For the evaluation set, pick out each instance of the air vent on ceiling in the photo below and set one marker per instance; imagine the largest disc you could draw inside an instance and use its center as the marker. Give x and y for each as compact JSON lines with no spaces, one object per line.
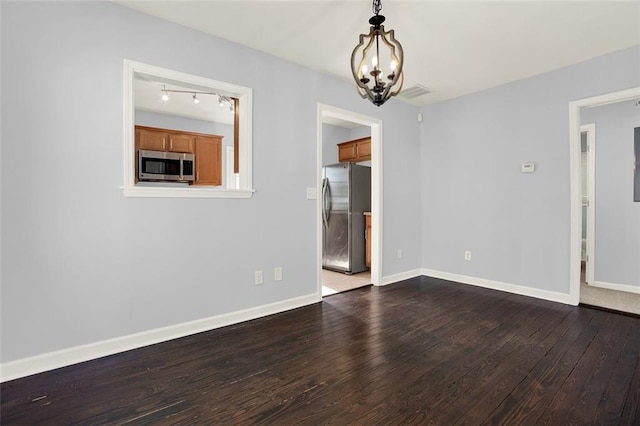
{"x":414,"y":91}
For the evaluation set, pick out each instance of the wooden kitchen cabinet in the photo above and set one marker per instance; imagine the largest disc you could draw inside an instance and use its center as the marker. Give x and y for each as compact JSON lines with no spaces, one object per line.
{"x":367,"y":235}
{"x":181,"y":142}
{"x":208,"y":156}
{"x":355,"y":151}
{"x":153,"y":139}
{"x":156,"y":139}
{"x":347,"y":152}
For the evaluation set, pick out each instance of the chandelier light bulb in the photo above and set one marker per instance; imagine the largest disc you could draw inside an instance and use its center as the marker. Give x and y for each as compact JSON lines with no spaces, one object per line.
{"x":393,"y":70}
{"x":374,"y":62}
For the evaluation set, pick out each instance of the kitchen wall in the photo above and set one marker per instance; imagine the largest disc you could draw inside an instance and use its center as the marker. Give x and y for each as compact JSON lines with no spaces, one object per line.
{"x":81,"y":263}
{"x":617,"y":217}
{"x":166,"y":121}
{"x":331,"y":136}
{"x":515,"y":224}
{"x":359,"y":132}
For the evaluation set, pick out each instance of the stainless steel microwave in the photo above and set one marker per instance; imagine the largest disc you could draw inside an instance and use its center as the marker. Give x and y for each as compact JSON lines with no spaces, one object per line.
{"x":165,"y":166}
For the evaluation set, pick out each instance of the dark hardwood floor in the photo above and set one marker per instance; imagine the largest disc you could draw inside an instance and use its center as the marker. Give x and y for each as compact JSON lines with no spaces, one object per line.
{"x":424,"y":351}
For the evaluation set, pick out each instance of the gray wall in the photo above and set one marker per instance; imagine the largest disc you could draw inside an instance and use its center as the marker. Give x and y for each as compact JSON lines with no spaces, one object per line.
{"x":82,"y":263}
{"x":359,"y":132}
{"x":617,"y":217}
{"x":331,"y":136}
{"x":474,"y":196}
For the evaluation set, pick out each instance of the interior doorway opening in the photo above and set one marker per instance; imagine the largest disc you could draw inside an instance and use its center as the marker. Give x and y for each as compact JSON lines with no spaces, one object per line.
{"x":612,"y":293}
{"x":349,"y":194}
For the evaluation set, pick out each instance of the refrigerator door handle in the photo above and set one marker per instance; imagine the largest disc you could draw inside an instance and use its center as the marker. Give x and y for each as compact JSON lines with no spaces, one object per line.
{"x":328,"y":204}
{"x":325,"y":184}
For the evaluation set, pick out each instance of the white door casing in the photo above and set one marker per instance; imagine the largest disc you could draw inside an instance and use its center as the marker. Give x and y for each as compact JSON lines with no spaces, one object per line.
{"x":575,"y":180}
{"x":327,"y":111}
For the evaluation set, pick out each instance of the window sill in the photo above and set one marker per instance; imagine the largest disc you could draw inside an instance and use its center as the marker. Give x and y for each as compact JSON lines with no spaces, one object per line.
{"x":190,"y":192}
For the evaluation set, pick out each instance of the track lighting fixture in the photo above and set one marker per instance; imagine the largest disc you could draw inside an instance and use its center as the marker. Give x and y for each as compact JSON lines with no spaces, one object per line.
{"x":222,"y":99}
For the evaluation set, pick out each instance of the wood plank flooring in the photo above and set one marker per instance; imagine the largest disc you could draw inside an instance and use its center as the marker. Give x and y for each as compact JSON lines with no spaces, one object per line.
{"x":424,"y":351}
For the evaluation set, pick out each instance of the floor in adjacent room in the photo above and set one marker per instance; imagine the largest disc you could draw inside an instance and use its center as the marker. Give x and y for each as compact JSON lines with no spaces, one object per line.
{"x":611,"y":299}
{"x":338,"y":282}
{"x":422,"y":351}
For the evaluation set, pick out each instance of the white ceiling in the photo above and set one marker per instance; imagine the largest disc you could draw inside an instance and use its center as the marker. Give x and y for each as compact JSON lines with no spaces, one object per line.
{"x":148,"y":97}
{"x":451,"y":47}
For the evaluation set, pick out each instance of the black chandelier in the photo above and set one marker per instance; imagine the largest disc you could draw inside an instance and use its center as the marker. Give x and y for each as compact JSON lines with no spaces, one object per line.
{"x":375,"y":51}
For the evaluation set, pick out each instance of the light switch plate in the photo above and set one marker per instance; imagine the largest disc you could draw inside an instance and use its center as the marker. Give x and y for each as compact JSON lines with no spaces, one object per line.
{"x":528,"y":167}
{"x":312,"y":193}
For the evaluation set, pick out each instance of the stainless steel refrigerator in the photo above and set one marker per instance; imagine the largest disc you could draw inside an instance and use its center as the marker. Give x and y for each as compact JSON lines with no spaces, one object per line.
{"x":346,"y":195}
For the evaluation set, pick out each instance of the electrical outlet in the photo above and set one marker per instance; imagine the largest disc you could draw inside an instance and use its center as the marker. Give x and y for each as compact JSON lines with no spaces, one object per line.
{"x":399,"y":254}
{"x":467,"y":255}
{"x":277,"y":274}
{"x":258,"y":277}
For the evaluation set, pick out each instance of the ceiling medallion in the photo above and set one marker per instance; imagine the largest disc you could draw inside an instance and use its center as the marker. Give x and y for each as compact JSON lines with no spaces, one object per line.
{"x":377,"y":50}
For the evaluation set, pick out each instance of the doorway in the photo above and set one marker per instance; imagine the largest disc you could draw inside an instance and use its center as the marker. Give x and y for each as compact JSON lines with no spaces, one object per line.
{"x":605,"y":292}
{"x":358,"y":126}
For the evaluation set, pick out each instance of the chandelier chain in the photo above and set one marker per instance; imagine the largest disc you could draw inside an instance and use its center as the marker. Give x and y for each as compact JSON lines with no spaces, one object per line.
{"x":377,"y":6}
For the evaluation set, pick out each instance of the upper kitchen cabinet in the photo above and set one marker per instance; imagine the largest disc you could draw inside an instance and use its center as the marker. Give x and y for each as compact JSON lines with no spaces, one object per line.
{"x":153,"y":139}
{"x":355,"y":151}
{"x":181,"y":143}
{"x":157,"y":139}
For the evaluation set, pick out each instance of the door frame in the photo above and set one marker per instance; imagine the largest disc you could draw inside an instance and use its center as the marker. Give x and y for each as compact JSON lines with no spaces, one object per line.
{"x":575,"y":180}
{"x":328,"y":111}
{"x":590,"y":130}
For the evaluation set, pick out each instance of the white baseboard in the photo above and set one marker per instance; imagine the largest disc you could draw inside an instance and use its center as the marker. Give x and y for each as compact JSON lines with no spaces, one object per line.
{"x":497,"y":285}
{"x":390,"y":279}
{"x":52,"y":360}
{"x":618,"y":287}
